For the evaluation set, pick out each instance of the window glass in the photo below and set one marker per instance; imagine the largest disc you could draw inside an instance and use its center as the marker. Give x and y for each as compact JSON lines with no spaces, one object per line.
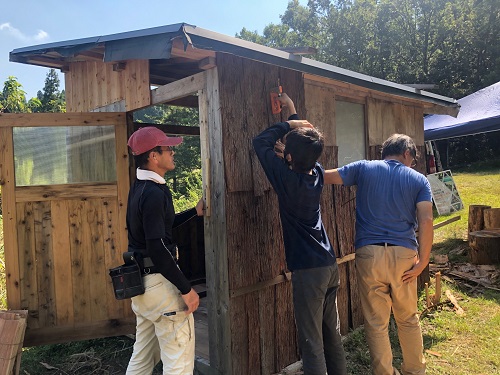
{"x":64,"y":155}
{"x":350,"y":131}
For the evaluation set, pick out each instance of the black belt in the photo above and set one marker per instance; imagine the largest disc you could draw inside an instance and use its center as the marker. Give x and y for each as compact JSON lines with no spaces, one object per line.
{"x":384,"y":244}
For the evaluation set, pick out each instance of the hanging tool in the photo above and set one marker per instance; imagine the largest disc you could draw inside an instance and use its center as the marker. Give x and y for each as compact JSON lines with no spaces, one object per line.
{"x":275,"y":94}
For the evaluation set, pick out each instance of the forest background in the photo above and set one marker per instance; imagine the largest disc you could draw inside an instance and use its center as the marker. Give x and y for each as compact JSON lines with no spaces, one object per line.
{"x":452,"y":44}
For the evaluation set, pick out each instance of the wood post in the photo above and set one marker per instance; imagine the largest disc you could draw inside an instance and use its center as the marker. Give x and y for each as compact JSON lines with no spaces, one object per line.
{"x":12,"y":329}
{"x":491,"y":218}
{"x":476,"y":217}
{"x":485,"y":246}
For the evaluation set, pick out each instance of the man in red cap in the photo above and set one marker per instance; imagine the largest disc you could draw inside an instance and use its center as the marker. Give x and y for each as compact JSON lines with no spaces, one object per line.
{"x":165,"y":324}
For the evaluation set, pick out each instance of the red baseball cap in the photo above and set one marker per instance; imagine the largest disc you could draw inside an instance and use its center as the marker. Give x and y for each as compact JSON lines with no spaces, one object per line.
{"x":147,"y":138}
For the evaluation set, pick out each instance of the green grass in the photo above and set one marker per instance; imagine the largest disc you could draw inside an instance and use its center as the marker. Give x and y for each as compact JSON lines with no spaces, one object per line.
{"x":466,"y":344}
{"x":481,"y":187}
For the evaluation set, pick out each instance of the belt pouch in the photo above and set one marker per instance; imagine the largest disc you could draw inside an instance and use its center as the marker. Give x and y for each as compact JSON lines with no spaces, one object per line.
{"x":127,"y":278}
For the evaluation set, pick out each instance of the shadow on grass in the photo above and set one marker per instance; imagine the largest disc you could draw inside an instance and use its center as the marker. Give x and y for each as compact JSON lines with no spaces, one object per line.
{"x":456,"y":249}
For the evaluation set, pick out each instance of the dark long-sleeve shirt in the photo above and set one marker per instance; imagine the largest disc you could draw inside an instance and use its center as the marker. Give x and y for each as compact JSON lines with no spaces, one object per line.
{"x":150,"y":219}
{"x":306,"y":242}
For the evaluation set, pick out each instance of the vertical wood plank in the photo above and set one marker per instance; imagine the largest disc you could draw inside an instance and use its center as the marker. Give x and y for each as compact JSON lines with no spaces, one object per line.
{"x":418,"y":125}
{"x":45,"y":263}
{"x":374,"y":122}
{"x":285,"y":330}
{"x":28,"y":282}
{"x":97,"y":271}
{"x":91,"y":67}
{"x":123,"y":182}
{"x":215,"y":232}
{"x":9,"y":214}
{"x":137,"y":91}
{"x":320,"y":106}
{"x":268,"y":340}
{"x":240,"y":341}
{"x":356,"y":314}
{"x":63,"y":282}
{"x":112,"y":255}
{"x":79,"y":259}
{"x":245,"y":118}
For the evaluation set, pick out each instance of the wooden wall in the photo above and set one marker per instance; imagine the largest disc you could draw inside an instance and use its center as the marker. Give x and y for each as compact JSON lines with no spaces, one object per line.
{"x":93,"y":84}
{"x":263,"y":337}
{"x":60,"y":241}
{"x":261,"y":320}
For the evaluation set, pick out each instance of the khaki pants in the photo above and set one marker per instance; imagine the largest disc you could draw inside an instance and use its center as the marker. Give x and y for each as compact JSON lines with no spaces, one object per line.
{"x":379,"y":270}
{"x":169,"y":338}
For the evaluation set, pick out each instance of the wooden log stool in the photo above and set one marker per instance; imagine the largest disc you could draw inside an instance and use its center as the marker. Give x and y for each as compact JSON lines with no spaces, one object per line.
{"x":485,"y":246}
{"x":476,"y":217}
{"x":491,"y":218}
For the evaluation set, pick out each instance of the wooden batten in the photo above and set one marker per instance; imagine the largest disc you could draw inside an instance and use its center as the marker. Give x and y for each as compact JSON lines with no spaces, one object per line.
{"x":178,"y":89}
{"x":216,"y":246}
{"x":93,"y":84}
{"x":11,"y":246}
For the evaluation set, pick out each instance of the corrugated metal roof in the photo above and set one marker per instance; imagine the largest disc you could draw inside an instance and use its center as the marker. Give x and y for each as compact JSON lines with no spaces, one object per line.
{"x":156,"y":43}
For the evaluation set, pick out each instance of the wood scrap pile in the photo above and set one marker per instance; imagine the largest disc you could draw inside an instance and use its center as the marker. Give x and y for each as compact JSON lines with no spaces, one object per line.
{"x":12,"y":329}
{"x":468,"y":274}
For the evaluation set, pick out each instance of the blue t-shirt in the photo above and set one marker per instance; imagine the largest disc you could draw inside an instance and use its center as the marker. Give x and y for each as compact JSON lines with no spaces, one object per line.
{"x":386,"y":198}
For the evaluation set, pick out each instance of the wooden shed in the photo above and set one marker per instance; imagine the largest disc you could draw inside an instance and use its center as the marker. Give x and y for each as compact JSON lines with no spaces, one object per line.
{"x":64,"y":229}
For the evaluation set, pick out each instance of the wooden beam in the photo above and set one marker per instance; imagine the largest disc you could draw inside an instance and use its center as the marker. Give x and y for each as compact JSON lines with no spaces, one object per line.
{"x":207,"y":63}
{"x":65,"y":191}
{"x":178,"y":89}
{"x":59,"y":119}
{"x":171,"y":129}
{"x":286,"y":276}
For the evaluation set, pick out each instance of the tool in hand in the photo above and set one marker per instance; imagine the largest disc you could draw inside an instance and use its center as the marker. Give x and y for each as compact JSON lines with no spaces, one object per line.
{"x":275,"y":94}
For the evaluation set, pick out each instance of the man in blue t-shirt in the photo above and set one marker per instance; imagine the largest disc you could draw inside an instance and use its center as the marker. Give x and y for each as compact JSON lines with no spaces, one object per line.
{"x":392,"y":199}
{"x":298,"y":181}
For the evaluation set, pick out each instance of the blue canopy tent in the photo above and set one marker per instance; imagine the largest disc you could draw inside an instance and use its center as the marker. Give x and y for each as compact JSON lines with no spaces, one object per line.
{"x":479,"y":113}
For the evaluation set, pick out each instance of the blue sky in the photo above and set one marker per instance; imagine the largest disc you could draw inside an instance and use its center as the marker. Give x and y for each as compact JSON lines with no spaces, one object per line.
{"x":31,"y":22}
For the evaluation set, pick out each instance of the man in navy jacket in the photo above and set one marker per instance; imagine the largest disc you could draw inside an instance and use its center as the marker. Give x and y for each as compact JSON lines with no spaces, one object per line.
{"x":298,"y":181}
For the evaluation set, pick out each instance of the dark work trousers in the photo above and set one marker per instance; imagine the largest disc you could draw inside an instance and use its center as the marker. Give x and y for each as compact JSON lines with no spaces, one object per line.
{"x":317,"y":319}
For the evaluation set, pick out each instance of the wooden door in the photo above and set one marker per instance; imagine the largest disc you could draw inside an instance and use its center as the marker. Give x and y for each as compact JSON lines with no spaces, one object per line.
{"x":64,"y":180}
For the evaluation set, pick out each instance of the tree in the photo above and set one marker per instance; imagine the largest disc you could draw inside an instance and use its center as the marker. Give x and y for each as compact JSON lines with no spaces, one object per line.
{"x":13,"y":97}
{"x":452,"y":43}
{"x":50,"y":98}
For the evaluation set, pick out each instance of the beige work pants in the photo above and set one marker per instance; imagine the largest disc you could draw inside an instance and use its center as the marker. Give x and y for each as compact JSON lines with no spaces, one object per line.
{"x":379,"y":270}
{"x":169,"y":338}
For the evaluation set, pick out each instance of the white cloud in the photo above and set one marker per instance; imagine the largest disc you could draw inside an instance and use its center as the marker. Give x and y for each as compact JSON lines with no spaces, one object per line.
{"x":18,"y":34}
{"x":41,"y":35}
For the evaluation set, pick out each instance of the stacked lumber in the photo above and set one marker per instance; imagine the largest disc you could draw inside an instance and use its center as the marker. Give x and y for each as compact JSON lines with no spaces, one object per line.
{"x":484,"y":234}
{"x":12,"y":329}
